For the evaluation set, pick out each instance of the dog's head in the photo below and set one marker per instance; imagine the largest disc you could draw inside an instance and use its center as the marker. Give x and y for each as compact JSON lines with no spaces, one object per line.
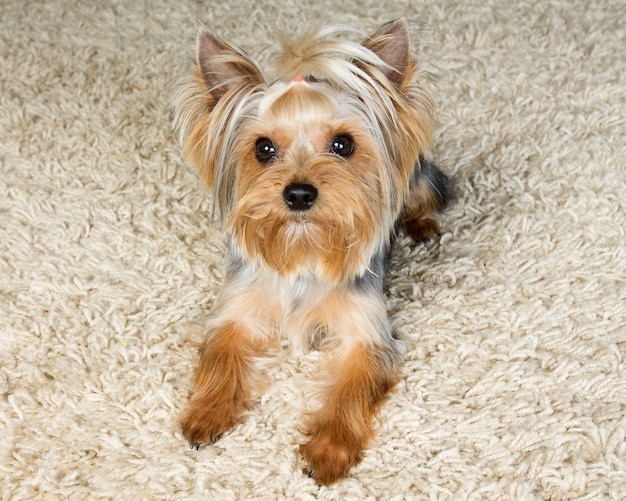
{"x":310,"y":171}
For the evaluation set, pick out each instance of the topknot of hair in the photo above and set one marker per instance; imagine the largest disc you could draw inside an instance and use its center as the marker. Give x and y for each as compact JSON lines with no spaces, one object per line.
{"x":326,"y":54}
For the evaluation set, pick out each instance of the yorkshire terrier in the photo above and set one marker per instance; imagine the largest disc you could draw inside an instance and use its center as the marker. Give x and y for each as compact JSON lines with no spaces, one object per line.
{"x":312,"y":175}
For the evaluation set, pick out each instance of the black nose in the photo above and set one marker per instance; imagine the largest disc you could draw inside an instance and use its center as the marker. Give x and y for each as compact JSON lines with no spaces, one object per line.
{"x":299,"y":196}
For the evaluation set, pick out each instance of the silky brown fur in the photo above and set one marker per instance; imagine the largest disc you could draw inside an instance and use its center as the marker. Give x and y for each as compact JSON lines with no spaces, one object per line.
{"x":309,"y":216}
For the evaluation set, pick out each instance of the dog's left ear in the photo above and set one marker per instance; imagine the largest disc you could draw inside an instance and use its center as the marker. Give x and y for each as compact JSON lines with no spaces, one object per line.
{"x":391,"y":44}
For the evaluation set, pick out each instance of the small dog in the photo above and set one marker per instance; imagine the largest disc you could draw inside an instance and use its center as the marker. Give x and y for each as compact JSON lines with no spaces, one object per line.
{"x":312,"y":175}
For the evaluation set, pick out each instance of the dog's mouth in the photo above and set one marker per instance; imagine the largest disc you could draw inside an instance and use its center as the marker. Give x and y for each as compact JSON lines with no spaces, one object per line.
{"x":301,"y":218}
{"x":300,"y":228}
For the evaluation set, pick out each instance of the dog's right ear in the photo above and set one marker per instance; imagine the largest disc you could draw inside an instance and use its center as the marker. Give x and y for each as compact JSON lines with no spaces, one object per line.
{"x":224,"y":66}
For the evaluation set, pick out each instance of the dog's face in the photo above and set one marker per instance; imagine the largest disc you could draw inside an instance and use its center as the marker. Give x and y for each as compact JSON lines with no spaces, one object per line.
{"x":310,"y":172}
{"x":311,"y":188}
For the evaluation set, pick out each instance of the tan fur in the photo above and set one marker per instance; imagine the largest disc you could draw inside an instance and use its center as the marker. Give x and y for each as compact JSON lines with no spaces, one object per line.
{"x":222,"y":384}
{"x":419,"y":214}
{"x":305,"y":273}
{"x":330,"y":236}
{"x":341,"y":429}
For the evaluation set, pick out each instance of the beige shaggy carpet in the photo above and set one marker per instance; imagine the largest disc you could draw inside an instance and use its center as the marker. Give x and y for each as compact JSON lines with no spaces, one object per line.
{"x":514,"y":385}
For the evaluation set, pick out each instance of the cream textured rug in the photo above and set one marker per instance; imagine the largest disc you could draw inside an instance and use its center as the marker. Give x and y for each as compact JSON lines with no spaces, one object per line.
{"x":514,"y":386}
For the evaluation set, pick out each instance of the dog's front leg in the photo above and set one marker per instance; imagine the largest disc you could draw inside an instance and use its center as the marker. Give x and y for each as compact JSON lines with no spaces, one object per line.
{"x":363,"y":368}
{"x":223,"y":382}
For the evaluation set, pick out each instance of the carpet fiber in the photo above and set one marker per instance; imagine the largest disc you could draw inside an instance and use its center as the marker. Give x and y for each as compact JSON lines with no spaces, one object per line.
{"x":514,"y":385}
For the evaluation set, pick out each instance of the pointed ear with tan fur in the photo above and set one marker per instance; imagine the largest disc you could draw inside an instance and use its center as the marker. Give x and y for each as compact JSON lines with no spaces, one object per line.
{"x":224,"y":66}
{"x":391,"y":43}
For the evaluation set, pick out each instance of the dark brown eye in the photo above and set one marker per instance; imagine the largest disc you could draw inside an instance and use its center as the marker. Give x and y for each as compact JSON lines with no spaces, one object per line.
{"x":342,"y":145}
{"x":264,"y":150}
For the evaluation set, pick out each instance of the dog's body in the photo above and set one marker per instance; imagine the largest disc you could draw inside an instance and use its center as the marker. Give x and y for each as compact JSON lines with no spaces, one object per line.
{"x":312,"y":175}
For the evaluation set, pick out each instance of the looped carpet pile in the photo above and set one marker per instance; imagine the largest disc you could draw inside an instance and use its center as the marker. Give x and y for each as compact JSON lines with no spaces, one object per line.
{"x":514,"y":319}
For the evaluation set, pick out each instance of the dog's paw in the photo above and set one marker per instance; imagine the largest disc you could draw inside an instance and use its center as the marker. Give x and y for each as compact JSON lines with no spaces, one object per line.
{"x":196,"y":445}
{"x":329,"y":457}
{"x":205,"y":425}
{"x":421,"y":228}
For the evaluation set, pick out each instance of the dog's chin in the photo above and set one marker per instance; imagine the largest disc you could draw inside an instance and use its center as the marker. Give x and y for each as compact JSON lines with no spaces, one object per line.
{"x":302,"y":236}
{"x":298,"y":245}
{"x":300,"y":227}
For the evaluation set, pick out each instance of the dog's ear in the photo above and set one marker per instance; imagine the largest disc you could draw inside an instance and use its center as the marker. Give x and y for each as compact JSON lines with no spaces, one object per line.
{"x":391,"y":44}
{"x":224,"y":66}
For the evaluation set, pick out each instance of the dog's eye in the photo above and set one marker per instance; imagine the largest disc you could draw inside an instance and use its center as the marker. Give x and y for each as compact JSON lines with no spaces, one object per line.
{"x":342,"y":145}
{"x":264,"y":150}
